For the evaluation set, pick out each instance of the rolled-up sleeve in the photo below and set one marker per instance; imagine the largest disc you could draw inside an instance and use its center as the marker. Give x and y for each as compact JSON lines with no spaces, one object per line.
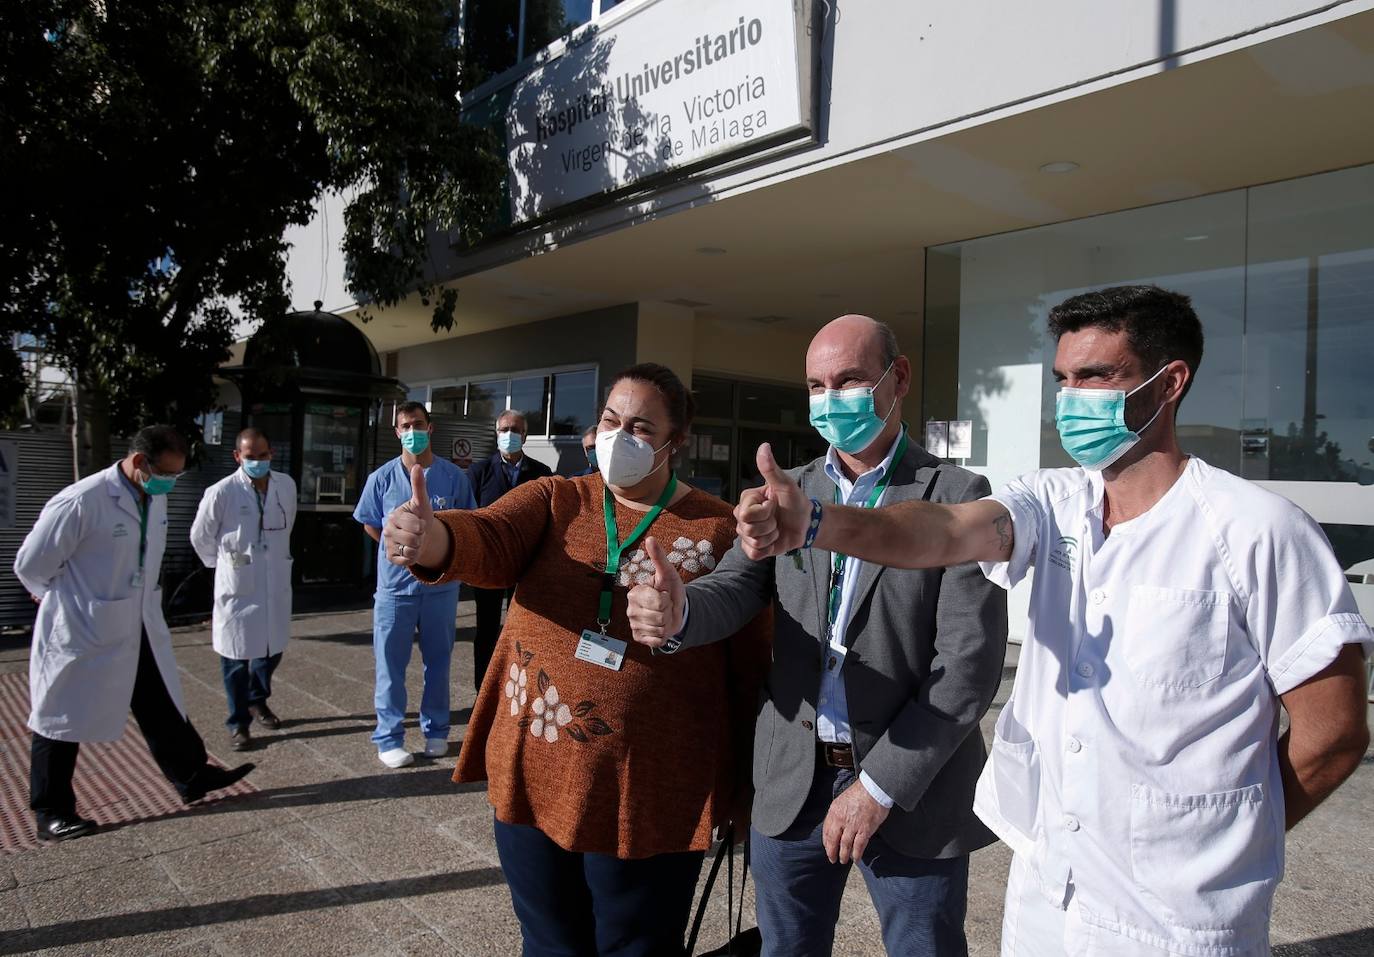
{"x":1019,"y":499}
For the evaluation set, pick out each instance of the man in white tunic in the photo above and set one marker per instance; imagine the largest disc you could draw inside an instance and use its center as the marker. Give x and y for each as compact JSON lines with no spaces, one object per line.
{"x":243,"y":531}
{"x":100,"y":644}
{"x":1137,"y":771}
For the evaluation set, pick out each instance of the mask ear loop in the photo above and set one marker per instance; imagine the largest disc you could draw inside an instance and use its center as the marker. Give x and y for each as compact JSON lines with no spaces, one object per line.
{"x":1142,"y":385}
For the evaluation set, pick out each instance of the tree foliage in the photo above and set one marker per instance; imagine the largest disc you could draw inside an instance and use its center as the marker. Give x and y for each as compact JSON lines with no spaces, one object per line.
{"x":155,"y":151}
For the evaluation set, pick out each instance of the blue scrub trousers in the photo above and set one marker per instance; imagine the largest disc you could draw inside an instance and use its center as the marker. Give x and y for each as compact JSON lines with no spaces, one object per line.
{"x":395,"y":620}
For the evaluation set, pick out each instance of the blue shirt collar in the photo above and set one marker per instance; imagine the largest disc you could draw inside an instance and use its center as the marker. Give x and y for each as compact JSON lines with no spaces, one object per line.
{"x":868,"y":479}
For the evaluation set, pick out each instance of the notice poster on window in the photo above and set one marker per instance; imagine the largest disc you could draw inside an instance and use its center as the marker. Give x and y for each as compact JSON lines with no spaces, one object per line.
{"x":937,"y":439}
{"x":960,"y":439}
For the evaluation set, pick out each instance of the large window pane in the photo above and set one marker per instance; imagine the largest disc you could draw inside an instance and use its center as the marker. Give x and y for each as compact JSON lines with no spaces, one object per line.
{"x":715,"y":397}
{"x":778,"y":404}
{"x":448,"y":400}
{"x":486,"y":399}
{"x":491,"y":30}
{"x":330,"y":451}
{"x":1309,"y":402}
{"x":547,"y":20}
{"x":989,"y":360}
{"x":574,"y":402}
{"x":531,"y":396}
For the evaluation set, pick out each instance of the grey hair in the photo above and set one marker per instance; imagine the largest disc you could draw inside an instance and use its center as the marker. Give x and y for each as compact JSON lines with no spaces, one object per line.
{"x":513,"y":414}
{"x":589,"y":430}
{"x":888,"y":340}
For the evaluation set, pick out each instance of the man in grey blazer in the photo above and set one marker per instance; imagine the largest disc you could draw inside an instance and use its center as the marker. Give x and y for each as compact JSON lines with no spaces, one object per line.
{"x":867,"y":746}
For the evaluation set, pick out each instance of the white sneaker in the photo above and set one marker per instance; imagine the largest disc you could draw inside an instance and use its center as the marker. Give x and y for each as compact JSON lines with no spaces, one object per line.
{"x":436,"y":747}
{"x":396,"y":757}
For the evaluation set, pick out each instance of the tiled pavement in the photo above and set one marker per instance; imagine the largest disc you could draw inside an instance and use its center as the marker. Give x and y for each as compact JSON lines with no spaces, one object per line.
{"x":338,"y":856}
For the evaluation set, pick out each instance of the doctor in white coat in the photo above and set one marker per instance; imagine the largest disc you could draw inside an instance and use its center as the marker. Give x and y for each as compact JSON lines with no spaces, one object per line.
{"x":243,"y":531}
{"x":100,"y":645}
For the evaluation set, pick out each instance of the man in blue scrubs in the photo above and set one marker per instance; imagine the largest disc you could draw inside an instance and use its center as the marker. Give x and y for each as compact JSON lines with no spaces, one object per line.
{"x":402,"y":604}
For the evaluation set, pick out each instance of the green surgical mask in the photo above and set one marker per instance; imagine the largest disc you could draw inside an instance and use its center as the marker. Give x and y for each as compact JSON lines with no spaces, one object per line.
{"x":1092,"y":424}
{"x":158,"y":484}
{"x":414,"y":441}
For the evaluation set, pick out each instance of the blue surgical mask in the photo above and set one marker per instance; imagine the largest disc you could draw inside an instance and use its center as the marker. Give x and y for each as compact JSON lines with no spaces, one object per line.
{"x":1092,"y":424}
{"x":415,"y":441}
{"x":591,"y":456}
{"x":257,"y":468}
{"x":846,"y":418}
{"x":509,"y":441}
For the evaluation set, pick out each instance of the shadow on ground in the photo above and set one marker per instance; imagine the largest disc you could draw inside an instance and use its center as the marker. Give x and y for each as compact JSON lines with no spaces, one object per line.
{"x":76,"y":932}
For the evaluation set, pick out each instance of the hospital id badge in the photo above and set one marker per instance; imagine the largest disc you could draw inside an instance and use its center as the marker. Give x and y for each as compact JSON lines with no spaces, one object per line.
{"x":136,"y":579}
{"x":601,"y":650}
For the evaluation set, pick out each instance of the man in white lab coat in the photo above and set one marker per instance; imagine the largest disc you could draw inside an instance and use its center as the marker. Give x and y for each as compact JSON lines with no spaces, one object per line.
{"x":243,"y":531}
{"x":100,"y":645}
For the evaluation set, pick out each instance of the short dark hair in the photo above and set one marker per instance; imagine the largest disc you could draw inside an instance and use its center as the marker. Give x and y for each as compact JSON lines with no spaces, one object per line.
{"x":682,"y":405}
{"x":1160,"y":325}
{"x":251,"y":435}
{"x":412,"y":407}
{"x":155,"y":440}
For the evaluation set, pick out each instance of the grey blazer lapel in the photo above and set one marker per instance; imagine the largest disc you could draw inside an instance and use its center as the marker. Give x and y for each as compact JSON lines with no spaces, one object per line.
{"x":816,"y":484}
{"x":911,"y":479}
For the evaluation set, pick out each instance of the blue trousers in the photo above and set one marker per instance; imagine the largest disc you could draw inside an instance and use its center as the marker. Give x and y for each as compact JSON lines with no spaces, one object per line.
{"x":921,"y":903}
{"x":593,"y":905}
{"x":395,"y":621}
{"x":247,"y":681}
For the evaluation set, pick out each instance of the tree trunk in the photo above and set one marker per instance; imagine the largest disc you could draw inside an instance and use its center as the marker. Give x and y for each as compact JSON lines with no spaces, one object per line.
{"x":90,"y":429}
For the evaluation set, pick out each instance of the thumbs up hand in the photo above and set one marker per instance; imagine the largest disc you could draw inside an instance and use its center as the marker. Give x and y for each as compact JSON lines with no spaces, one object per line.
{"x":407,"y":537}
{"x":656,"y":609}
{"x":772,"y":520}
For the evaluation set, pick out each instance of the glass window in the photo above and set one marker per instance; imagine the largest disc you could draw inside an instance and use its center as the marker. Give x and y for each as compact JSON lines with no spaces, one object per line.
{"x":574,"y":402}
{"x":715,"y":397}
{"x":1309,"y":405}
{"x":449,"y":400}
{"x":531,"y":397}
{"x":329,"y":454}
{"x":491,"y":32}
{"x":486,"y":399}
{"x":547,"y":20}
{"x":780,"y":404}
{"x":610,"y":4}
{"x":211,"y":427}
{"x":989,"y":360}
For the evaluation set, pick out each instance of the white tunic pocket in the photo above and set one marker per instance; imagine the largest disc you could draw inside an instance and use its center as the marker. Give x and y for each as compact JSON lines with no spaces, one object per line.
{"x":1176,"y":638}
{"x":1207,"y":860}
{"x":1015,"y":774}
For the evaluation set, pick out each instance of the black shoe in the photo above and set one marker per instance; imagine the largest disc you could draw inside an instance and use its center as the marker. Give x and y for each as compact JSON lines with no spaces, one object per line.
{"x":239,"y":739}
{"x":62,"y":827}
{"x":265,"y":716}
{"x":211,"y":778}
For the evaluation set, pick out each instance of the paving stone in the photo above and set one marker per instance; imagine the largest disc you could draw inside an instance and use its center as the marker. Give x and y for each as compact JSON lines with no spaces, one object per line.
{"x":90,"y":853}
{"x":237,"y":860}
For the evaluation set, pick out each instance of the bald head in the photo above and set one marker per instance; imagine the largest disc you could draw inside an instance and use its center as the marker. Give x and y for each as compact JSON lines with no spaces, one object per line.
{"x":850,"y":344}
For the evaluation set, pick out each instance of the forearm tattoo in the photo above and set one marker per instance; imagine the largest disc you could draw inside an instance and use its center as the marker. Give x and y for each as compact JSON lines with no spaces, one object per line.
{"x":1002,"y":525}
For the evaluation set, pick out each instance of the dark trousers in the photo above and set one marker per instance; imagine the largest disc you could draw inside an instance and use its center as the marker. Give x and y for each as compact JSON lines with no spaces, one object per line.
{"x":247,"y":681}
{"x":488,"y":602}
{"x":595,"y":905}
{"x":174,"y":743}
{"x":920,"y":903}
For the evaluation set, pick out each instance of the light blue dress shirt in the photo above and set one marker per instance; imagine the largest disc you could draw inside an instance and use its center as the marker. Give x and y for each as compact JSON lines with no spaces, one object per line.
{"x":832,"y":711}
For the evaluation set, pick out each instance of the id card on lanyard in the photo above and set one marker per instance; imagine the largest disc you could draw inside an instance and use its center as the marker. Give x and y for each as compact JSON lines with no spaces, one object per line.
{"x":838,"y":561}
{"x":596,"y":647}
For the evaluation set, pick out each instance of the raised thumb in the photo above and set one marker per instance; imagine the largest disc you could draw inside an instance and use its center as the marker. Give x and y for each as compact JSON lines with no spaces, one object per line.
{"x":664,"y":573}
{"x":768,"y":468}
{"x":419,"y":493}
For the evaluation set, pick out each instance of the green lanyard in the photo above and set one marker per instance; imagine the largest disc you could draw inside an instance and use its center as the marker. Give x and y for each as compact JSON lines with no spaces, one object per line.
{"x":142,"y":533}
{"x":837,"y":568}
{"x":260,"y":497}
{"x":615,"y":548}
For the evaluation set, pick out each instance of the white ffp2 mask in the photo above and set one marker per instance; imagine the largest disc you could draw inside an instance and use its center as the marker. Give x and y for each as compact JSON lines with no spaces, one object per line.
{"x":625,"y":460}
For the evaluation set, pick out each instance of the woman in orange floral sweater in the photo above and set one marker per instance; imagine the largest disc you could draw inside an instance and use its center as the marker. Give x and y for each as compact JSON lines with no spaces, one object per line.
{"x":607,"y":767}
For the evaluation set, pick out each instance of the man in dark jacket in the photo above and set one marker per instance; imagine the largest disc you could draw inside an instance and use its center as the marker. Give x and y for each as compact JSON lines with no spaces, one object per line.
{"x":491,"y":478}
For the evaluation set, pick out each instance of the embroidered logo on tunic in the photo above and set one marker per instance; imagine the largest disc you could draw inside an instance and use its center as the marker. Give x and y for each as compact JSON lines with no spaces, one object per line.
{"x":1065,"y":553}
{"x":119,"y":530}
{"x":692,"y":556}
{"x":549,"y":714}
